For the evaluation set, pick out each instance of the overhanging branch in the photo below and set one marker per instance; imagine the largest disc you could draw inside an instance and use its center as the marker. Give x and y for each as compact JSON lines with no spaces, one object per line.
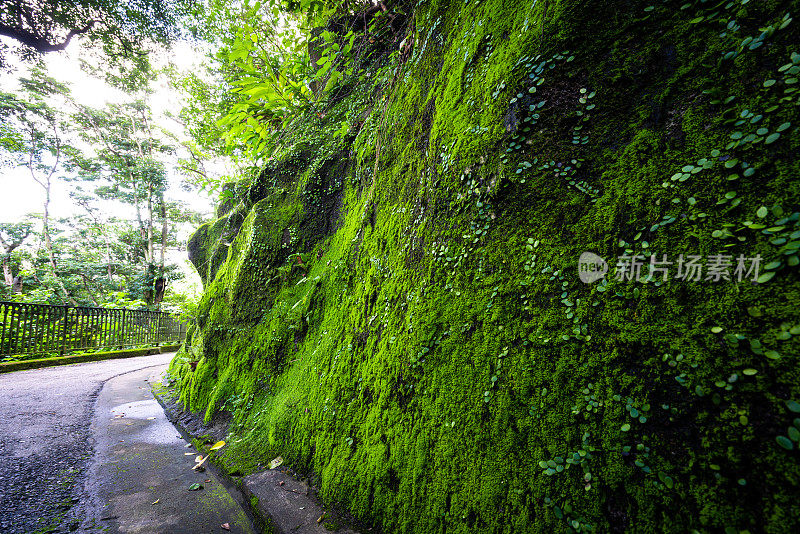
{"x":39,"y":43}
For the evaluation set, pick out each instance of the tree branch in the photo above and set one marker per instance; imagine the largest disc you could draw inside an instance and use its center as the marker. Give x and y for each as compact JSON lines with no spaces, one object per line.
{"x":41,"y":44}
{"x":196,"y":171}
{"x":14,"y":244}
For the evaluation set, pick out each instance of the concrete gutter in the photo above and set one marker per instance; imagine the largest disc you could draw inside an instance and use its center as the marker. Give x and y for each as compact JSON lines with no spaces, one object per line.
{"x":285,"y":504}
{"x":8,"y":367}
{"x":289,"y":504}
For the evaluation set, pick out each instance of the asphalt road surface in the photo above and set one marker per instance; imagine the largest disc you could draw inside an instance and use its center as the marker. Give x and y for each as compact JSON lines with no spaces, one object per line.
{"x":86,"y":448}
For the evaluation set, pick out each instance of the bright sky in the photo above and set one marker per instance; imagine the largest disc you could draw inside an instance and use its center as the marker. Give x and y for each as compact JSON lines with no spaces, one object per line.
{"x":20,"y":195}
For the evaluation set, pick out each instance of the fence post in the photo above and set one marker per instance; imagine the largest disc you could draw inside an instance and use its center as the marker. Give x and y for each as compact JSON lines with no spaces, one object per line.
{"x":122,"y":331}
{"x":64,"y":330}
{"x":4,"y":307}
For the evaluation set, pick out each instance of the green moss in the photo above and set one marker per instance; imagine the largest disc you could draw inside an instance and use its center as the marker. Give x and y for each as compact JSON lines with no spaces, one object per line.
{"x":419,"y":338}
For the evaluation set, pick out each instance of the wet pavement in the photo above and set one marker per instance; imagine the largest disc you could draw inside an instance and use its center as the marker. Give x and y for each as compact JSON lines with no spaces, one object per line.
{"x":141,"y":474}
{"x":69,"y":464}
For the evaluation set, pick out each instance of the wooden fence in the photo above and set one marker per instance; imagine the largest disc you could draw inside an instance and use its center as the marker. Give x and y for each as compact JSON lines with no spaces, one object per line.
{"x":45,"y":330}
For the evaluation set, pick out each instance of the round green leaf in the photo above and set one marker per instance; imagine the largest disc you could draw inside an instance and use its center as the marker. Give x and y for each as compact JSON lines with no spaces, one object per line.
{"x":785,"y":442}
{"x":766,"y":277}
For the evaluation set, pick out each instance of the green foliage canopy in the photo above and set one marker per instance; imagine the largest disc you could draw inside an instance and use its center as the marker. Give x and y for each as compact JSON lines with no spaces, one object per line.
{"x":120,"y":28}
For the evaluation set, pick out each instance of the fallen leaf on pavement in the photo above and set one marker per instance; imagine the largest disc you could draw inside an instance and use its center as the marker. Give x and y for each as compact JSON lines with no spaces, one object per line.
{"x":155,"y":501}
{"x":208,"y":480}
{"x":225,"y":526}
{"x":195,"y":487}
{"x":276,"y":462}
{"x":199,"y":461}
{"x":188,"y":453}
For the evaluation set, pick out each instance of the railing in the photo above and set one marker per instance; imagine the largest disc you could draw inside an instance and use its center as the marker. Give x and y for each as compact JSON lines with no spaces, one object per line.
{"x":42,"y":329}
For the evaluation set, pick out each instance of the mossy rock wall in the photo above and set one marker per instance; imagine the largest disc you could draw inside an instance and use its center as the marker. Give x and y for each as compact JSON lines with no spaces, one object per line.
{"x":419,"y":338}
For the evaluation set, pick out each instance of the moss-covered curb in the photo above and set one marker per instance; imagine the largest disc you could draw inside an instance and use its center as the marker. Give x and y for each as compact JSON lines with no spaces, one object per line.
{"x":166,"y":397}
{"x":271,"y":515}
{"x":9,"y":367}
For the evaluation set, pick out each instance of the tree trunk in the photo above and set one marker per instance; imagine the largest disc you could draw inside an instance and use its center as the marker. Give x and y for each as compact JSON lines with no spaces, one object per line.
{"x":160,"y":289}
{"x":49,"y":245}
{"x":164,"y":234}
{"x":161,"y":281}
{"x":46,"y":183}
{"x":7,"y":276}
{"x":150,"y":248}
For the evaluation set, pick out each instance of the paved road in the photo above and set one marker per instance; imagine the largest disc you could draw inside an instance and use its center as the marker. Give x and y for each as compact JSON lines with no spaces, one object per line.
{"x":48,"y":442}
{"x":45,"y":443}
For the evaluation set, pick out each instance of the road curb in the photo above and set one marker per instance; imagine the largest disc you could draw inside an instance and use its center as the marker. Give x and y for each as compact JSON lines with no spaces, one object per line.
{"x":8,"y":367}
{"x":290,"y":504}
{"x":275,"y":497}
{"x":262,"y":520}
